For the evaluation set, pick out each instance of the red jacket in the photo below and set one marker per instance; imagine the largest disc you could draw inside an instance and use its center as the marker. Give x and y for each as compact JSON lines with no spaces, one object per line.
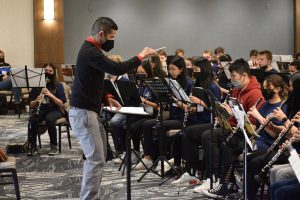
{"x":249,"y":96}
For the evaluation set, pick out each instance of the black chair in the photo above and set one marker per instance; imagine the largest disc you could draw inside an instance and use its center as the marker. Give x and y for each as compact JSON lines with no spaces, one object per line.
{"x":8,"y":169}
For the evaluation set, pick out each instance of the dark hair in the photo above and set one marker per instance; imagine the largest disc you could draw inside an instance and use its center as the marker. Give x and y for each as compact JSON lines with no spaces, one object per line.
{"x":253,"y":52}
{"x":205,"y":77}
{"x":277,"y":82}
{"x":157,"y":70}
{"x":103,"y":24}
{"x":296,"y":63}
{"x":219,"y":50}
{"x":225,"y":58}
{"x":180,"y":64}
{"x":293,"y":105}
{"x":267,"y":53}
{"x":297,"y":55}
{"x":53,"y":82}
{"x":240,"y":66}
{"x":148,"y":69}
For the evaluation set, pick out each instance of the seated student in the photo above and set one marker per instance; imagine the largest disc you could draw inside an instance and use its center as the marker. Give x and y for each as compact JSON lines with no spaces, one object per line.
{"x":223,"y":81}
{"x":177,"y":71}
{"x":294,"y":66}
{"x":265,"y":61}
{"x":189,"y":66}
{"x":247,"y":91}
{"x":207,"y":54}
{"x":204,"y":79}
{"x":48,"y":103}
{"x":219,"y":51}
{"x":274,"y":92}
{"x":147,"y":99}
{"x":163,"y":59}
{"x":257,"y":160}
{"x":180,"y":52}
{"x":253,"y":59}
{"x":6,"y":83}
{"x":157,"y":67}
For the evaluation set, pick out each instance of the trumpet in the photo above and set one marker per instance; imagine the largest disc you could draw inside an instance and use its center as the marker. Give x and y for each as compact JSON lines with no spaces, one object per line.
{"x":261,"y":176}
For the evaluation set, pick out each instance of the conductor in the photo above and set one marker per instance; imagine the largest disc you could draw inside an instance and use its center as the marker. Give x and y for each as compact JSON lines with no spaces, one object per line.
{"x":88,"y":95}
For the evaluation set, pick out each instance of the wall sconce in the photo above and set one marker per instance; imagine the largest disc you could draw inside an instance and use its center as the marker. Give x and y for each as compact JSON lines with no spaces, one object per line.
{"x":48,"y":9}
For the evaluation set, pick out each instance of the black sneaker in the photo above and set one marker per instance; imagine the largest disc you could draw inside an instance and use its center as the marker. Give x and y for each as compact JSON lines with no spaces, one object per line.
{"x":232,"y":188}
{"x":219,"y":191}
{"x":32,"y":151}
{"x":53,"y":150}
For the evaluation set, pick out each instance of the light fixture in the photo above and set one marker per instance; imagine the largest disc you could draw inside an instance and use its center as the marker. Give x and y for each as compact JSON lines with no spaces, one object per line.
{"x":49,"y":9}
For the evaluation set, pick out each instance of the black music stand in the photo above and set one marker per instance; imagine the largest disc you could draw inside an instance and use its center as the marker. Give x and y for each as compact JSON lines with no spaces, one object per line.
{"x":28,"y":78}
{"x":240,"y":114}
{"x":128,"y":111}
{"x":163,"y":95}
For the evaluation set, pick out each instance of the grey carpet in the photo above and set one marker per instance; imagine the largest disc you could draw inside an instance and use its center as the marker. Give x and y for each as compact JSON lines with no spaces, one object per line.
{"x":59,"y":177}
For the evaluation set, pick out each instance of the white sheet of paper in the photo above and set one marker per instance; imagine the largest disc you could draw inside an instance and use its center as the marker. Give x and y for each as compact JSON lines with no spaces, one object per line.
{"x":128,"y":110}
{"x":295,"y":163}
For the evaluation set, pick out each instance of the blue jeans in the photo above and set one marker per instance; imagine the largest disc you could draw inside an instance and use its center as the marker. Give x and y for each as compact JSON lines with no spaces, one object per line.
{"x":86,"y":126}
{"x":7,"y":85}
{"x":118,"y":131}
{"x":285,"y":190}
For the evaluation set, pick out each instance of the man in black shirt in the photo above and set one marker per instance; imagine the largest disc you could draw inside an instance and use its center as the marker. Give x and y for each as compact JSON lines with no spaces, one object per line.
{"x":87,"y":97}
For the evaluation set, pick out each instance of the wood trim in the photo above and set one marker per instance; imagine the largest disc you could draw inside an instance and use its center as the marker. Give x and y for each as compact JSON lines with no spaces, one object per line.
{"x":296,"y":26}
{"x":48,"y":34}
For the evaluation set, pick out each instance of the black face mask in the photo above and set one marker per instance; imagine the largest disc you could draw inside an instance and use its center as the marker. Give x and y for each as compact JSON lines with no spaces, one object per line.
{"x":268,"y":94}
{"x":2,"y":59}
{"x":49,"y":76}
{"x":263,"y":67}
{"x":108,"y":45}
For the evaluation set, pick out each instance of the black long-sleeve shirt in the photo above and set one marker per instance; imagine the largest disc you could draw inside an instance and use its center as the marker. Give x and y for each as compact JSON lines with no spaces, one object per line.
{"x":87,"y":91}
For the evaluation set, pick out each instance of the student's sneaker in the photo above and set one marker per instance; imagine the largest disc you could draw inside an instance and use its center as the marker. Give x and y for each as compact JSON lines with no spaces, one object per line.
{"x":53,"y":150}
{"x":167,"y":167}
{"x":140,"y":165}
{"x":221,"y":191}
{"x":135,"y":158}
{"x":185,"y":180}
{"x":119,"y":159}
{"x":205,"y":186}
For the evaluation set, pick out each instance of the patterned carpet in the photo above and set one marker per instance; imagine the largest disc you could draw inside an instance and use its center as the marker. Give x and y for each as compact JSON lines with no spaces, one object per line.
{"x":59,"y":177}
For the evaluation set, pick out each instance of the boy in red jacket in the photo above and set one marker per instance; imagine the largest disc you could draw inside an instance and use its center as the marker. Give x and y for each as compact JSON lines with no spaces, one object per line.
{"x":247,"y":90}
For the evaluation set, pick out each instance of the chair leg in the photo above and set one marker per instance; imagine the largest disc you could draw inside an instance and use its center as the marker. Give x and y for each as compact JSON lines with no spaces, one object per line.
{"x":40,"y":143}
{"x":69,"y":137}
{"x":59,"y":138}
{"x":16,"y":183}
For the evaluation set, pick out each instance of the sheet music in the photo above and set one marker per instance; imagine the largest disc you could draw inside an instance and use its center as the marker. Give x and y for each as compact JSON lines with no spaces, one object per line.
{"x":295,"y":163}
{"x":178,"y":91}
{"x":128,"y":110}
{"x":117,"y":90}
{"x":35,"y":77}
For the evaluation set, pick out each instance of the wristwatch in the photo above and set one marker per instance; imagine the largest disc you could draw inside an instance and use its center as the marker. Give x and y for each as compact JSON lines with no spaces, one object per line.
{"x":284,"y":120}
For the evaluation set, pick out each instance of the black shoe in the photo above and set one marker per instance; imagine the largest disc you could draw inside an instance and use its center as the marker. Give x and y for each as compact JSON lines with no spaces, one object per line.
{"x":53,"y":150}
{"x":32,"y":151}
{"x":222,"y":190}
{"x":18,"y":108}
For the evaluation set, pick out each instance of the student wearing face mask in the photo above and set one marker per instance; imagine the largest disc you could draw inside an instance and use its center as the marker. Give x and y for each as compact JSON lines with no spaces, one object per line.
{"x":247,"y":91}
{"x":6,"y":84}
{"x":47,"y":104}
{"x":275,"y":93}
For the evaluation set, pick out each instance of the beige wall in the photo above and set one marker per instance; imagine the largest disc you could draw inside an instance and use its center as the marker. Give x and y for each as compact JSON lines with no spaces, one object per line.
{"x":16,"y":32}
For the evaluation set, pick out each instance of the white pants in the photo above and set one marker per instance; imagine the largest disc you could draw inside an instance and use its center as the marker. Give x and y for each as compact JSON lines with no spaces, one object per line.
{"x":87,"y":127}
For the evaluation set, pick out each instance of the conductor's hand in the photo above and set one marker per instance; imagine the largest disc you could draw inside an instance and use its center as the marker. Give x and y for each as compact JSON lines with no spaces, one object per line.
{"x":113,"y":103}
{"x":147,"y":52}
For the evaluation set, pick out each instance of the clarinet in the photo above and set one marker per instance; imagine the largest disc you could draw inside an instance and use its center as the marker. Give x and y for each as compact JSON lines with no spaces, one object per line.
{"x":186,"y":115}
{"x":263,"y":173}
{"x":43,"y":97}
{"x":270,"y":117}
{"x":280,"y":136}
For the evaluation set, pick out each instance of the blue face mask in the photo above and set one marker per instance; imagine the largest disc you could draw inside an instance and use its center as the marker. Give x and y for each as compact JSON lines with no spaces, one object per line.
{"x":237,"y":84}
